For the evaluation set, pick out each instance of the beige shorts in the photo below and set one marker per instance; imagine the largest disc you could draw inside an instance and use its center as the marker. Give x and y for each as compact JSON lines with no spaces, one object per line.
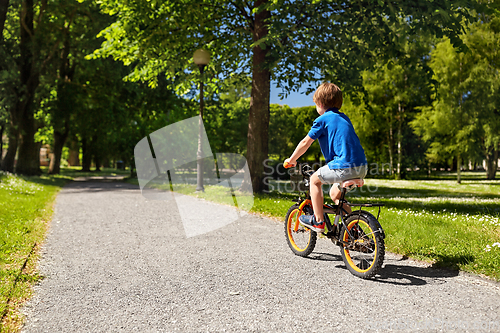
{"x":338,"y":176}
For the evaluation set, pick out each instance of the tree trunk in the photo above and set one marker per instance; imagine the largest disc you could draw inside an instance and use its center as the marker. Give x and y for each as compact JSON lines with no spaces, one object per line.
{"x":55,"y":163}
{"x":86,"y":155}
{"x":258,"y":118}
{"x":106,"y":163}
{"x":95,"y":153}
{"x":97,"y":162}
{"x":459,"y":169}
{"x":400,"y":139}
{"x":28,"y":162}
{"x":133,"y":172}
{"x":491,"y":164}
{"x":390,"y":139}
{"x":4,"y":6}
{"x":1,"y":143}
{"x":10,"y":157}
{"x":74,"y":153}
{"x":60,"y":116}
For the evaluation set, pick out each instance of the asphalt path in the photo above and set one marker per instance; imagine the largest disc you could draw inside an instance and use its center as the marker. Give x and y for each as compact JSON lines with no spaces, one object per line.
{"x":116,"y":262}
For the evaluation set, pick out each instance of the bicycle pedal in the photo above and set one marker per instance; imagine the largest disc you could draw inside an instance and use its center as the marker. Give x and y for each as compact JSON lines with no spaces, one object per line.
{"x":335,"y":240}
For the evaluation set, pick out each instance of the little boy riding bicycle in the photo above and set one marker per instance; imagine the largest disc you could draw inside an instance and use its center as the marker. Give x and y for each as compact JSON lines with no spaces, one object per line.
{"x":344,"y":156}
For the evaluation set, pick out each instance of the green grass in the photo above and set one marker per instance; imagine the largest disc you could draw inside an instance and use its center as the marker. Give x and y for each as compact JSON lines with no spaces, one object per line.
{"x":450,"y":225}
{"x":25,"y":208}
{"x":439,"y":221}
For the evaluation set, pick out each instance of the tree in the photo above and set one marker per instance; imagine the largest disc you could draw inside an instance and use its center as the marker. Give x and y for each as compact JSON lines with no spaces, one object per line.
{"x":464,"y":120}
{"x":484,"y":84}
{"x":75,"y":25}
{"x":23,"y":111}
{"x":303,"y":120}
{"x":30,"y":57}
{"x":371,"y":126}
{"x":280,"y":39}
{"x":4,"y":5}
{"x":226,"y":123}
{"x":448,"y":123}
{"x":282,"y":127}
{"x":36,"y":32}
{"x":3,"y":125}
{"x":394,"y":91}
{"x":8,"y":82}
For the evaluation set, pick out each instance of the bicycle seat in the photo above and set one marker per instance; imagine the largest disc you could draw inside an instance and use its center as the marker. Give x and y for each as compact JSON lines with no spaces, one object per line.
{"x":353,"y":182}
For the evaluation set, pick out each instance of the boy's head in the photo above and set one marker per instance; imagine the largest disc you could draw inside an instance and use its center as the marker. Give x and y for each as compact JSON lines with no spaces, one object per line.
{"x":328,"y":95}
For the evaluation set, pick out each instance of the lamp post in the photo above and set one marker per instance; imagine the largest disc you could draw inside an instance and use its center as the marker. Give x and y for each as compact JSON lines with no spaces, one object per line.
{"x":201,"y":58}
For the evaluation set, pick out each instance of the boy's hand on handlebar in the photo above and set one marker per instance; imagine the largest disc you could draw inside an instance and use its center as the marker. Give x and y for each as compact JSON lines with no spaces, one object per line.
{"x":289,"y":164}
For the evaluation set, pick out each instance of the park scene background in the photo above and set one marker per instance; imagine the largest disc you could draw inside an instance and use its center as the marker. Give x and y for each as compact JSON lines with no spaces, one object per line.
{"x":81,"y":82}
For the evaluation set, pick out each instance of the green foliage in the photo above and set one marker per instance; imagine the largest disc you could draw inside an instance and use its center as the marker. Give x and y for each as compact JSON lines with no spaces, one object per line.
{"x":463,"y":119}
{"x":116,"y":114}
{"x":282,"y":131}
{"x":160,"y":37}
{"x":393,"y":93}
{"x":304,"y":118}
{"x":371,"y":127}
{"x":342,"y":38}
{"x":293,"y":43}
{"x":226,"y":119}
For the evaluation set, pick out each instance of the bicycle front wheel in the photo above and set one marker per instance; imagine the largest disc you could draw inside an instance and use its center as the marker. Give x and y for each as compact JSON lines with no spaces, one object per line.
{"x":300,"y":240}
{"x":363,"y":246}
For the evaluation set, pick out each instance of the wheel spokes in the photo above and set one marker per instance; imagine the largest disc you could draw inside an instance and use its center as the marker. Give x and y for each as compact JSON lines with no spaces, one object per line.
{"x":362,"y":247}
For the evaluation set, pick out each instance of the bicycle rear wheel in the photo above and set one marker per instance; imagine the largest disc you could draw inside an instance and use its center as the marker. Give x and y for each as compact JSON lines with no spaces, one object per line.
{"x":300,"y":240}
{"x":365,"y":249}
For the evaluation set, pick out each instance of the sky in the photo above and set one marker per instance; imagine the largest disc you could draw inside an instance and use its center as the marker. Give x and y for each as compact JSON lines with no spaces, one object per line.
{"x":294,"y":99}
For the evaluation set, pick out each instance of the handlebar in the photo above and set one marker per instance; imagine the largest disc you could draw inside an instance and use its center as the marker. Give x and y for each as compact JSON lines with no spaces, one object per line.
{"x":304,"y":168}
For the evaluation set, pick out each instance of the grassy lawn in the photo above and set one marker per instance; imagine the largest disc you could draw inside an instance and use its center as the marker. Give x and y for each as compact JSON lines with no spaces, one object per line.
{"x":451,"y":225}
{"x":26,"y":207}
{"x":436,"y":220}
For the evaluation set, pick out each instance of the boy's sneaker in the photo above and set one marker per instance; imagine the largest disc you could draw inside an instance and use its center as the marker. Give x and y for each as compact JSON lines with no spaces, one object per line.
{"x":309,"y":221}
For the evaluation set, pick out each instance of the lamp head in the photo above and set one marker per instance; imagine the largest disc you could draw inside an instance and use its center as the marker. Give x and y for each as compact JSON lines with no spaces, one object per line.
{"x":201,"y":57}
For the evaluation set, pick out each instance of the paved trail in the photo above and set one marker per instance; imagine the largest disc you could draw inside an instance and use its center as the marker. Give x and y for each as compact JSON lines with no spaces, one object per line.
{"x":115,"y":262}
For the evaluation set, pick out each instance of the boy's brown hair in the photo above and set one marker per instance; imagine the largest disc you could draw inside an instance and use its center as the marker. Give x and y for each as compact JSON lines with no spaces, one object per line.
{"x":328,"y":95}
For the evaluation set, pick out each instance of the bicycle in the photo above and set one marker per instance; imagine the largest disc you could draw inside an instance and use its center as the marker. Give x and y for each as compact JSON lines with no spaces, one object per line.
{"x":358,"y":234}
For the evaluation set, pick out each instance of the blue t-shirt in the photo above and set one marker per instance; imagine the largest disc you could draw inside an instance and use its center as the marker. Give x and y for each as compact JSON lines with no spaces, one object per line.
{"x":339,"y":143}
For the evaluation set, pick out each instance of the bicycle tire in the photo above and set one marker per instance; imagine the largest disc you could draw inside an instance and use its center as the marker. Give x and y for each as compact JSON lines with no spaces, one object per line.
{"x":364,"y":255}
{"x":301,"y":240}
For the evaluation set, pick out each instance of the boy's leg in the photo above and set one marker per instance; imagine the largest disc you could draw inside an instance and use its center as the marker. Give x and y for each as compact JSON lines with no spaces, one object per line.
{"x":315,"y":222}
{"x":317,"y":196}
{"x":335,"y":193}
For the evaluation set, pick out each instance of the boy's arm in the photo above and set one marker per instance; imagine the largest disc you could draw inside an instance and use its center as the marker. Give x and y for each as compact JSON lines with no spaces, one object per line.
{"x":301,"y":148}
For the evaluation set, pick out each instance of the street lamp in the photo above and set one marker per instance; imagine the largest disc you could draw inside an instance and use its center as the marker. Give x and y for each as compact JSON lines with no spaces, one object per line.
{"x":201,"y":58}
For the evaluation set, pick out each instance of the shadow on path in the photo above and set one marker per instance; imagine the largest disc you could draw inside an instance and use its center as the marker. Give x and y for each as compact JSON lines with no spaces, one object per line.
{"x":397,"y":271}
{"x":99,"y":185}
{"x":413,"y":275}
